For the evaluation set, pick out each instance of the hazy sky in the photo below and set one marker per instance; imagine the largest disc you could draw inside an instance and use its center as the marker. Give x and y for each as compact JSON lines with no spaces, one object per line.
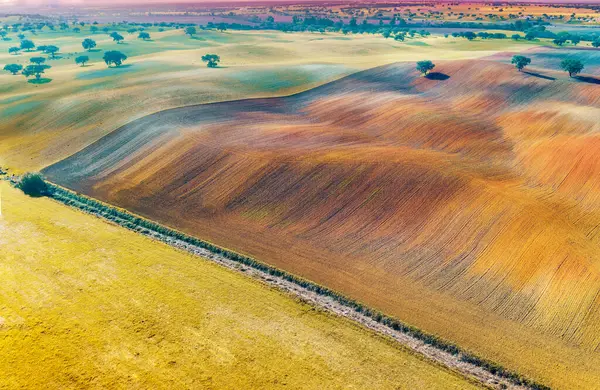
{"x":34,"y":3}
{"x":38,"y":3}
{"x":101,"y":2}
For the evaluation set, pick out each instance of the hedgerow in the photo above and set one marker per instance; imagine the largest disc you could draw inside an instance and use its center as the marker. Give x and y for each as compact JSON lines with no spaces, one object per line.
{"x":133,"y":222}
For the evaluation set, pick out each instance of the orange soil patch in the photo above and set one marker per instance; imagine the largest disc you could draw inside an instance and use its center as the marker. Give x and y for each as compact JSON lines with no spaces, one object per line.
{"x":436,"y":201}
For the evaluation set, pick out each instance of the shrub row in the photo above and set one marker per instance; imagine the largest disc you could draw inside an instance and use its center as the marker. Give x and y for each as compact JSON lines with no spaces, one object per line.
{"x":145,"y":226}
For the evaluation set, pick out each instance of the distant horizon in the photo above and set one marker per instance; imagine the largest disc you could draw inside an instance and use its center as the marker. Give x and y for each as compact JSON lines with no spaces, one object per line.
{"x":120,"y":3}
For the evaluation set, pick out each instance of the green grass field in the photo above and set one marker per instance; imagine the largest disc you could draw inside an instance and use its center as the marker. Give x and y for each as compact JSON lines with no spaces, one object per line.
{"x":42,"y":124}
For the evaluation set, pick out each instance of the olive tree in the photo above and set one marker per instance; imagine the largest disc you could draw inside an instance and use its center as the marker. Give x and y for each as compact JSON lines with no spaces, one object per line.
{"x":13,"y":68}
{"x":88,"y":44}
{"x":212,"y":60}
{"x":191,"y":31}
{"x":117,"y":37}
{"x":425,"y":67}
{"x":35,"y":70}
{"x":572,"y":66}
{"x":27,"y":45}
{"x":520,"y":62}
{"x":82,"y":60}
{"x":52,"y":50}
{"x":37,"y":60}
{"x":114,"y":57}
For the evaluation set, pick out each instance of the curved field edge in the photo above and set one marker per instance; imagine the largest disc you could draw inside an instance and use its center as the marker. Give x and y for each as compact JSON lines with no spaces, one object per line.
{"x":87,"y":304}
{"x":503,"y":376}
{"x":276,"y":207}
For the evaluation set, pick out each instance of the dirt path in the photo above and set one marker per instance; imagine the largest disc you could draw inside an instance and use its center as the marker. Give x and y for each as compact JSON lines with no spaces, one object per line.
{"x":441,"y":357}
{"x":455,"y":362}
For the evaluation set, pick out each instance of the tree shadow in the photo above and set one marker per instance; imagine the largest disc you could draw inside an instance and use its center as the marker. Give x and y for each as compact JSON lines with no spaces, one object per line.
{"x":43,"y":80}
{"x":541,"y":76}
{"x":587,"y":79}
{"x":437,"y":76}
{"x":124,"y":66}
{"x":94,"y":50}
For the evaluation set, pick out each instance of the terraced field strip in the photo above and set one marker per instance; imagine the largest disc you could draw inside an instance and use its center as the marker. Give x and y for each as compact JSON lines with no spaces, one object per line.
{"x":429,"y":346}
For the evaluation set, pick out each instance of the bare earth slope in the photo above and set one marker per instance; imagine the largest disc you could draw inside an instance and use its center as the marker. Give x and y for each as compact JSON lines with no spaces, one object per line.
{"x":89,"y":305}
{"x":466,"y":203}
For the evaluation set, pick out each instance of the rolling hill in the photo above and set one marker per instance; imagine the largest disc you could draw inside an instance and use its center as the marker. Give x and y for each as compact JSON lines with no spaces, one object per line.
{"x":87,"y":304}
{"x":466,"y":203}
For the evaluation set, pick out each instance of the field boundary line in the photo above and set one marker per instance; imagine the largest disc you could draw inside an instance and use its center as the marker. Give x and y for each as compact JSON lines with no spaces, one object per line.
{"x":425,"y":344}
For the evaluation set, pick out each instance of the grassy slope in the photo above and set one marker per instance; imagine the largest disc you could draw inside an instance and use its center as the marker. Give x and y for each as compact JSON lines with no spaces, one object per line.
{"x":41,"y":124}
{"x":432,"y":200}
{"x":87,"y":304}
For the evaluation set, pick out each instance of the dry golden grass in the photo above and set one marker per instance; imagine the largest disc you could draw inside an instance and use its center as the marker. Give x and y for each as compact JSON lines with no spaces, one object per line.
{"x":425,"y":198}
{"x":86,"y":304}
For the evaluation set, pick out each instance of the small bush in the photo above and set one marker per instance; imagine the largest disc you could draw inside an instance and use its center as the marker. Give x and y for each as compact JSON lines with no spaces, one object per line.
{"x":33,"y":184}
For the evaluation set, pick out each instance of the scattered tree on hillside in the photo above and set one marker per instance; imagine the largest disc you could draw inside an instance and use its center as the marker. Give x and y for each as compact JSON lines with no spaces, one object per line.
{"x":572,"y":66}
{"x":470,"y":35}
{"x":425,"y":67}
{"x":88,"y":44}
{"x":520,"y":62}
{"x":52,"y":50}
{"x":144,"y":35}
{"x":559,"y":41}
{"x":131,"y":30}
{"x":212,"y":60}
{"x":3,"y":34}
{"x":117,"y":37}
{"x":76,"y":30}
{"x":35,"y":70}
{"x":13,"y":68}
{"x":37,"y":60}
{"x":515,"y":37}
{"x":27,"y":45}
{"x":33,"y":184}
{"x":14,"y":50}
{"x":21,"y":36}
{"x":94,"y":29}
{"x":191,"y":31}
{"x":399,"y":37}
{"x":114,"y":57}
{"x":82,"y":60}
{"x":596,"y":42}
{"x":575,"y":39}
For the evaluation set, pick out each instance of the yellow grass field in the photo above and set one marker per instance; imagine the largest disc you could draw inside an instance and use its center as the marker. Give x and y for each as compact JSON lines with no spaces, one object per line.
{"x":85,"y":304}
